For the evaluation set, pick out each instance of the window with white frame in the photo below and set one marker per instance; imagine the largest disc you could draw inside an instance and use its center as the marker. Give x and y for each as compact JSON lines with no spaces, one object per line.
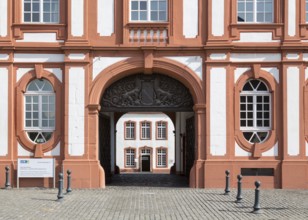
{"x":39,"y":110}
{"x":161,"y":130}
{"x":41,"y":11}
{"x":145,"y":130}
{"x":255,"y":111}
{"x":130,"y":130}
{"x":306,"y":10}
{"x":161,"y":157}
{"x":255,"y":11}
{"x":148,"y":10}
{"x":130,"y":157}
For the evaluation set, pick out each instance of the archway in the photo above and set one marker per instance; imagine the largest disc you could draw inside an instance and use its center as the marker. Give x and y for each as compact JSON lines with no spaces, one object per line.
{"x":168,"y":70}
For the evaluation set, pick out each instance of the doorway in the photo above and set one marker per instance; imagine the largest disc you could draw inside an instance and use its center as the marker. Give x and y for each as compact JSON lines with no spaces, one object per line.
{"x":146,"y":167}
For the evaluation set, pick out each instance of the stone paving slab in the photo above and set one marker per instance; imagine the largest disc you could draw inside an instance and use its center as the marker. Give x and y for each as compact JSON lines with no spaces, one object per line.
{"x":126,"y":202}
{"x":150,"y":203}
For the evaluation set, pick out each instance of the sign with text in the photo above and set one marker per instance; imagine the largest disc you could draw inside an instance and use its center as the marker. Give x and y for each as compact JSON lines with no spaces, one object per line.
{"x":35,"y":168}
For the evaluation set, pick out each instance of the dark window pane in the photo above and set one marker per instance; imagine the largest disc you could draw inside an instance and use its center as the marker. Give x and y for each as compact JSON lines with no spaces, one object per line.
{"x":35,"y":17}
{"x":266,"y":123}
{"x":266,"y":114}
{"x":247,"y":87}
{"x":262,"y":87}
{"x":243,"y":107}
{"x":243,"y":123}
{"x":46,"y":17}
{"x":134,"y":16}
{"x":259,"y":123}
{"x":143,"y":5}
{"x":247,"y":135}
{"x":250,"y":107}
{"x":27,"y":17}
{"x":259,"y":107}
{"x":266,"y":99}
{"x":134,"y":5}
{"x":154,"y":16}
{"x":266,"y":107}
{"x":259,"y":99}
{"x":35,"y":6}
{"x":27,"y":7}
{"x":162,"y":16}
{"x":259,"y":114}
{"x":243,"y":114}
{"x":250,"y":115}
{"x":254,"y":139}
{"x":250,"y":99}
{"x":243,"y":99}
{"x":250,"y":123}
{"x":262,"y":135}
{"x":254,"y":83}
{"x":154,"y":5}
{"x":143,"y":16}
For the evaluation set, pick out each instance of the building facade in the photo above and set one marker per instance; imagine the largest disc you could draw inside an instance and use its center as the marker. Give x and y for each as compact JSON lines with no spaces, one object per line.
{"x":145,"y":143}
{"x":231,"y":74}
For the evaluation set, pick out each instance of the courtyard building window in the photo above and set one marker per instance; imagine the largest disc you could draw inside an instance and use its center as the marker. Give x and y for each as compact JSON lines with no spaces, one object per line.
{"x":255,"y":111}
{"x":161,"y":130}
{"x":145,"y":130}
{"x":41,"y":11}
{"x":129,"y":130}
{"x":255,"y":11}
{"x":148,"y":10}
{"x":306,"y":10}
{"x":130,"y":157}
{"x":161,"y":157}
{"x":39,"y":110}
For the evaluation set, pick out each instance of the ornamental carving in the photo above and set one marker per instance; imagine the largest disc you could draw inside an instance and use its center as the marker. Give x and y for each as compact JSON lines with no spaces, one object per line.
{"x":147,"y":93}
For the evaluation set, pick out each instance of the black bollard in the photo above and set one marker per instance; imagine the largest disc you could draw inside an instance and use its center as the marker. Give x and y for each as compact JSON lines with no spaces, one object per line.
{"x":257,"y":207}
{"x":60,"y":193}
{"x":7,"y":177}
{"x":69,"y":189}
{"x":227,"y":189}
{"x":239,"y":189}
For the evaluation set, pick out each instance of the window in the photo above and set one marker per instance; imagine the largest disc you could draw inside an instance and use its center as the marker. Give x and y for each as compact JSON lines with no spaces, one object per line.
{"x":257,"y":11}
{"x":306,"y":10}
{"x":161,"y":157}
{"x":130,"y":157}
{"x":44,"y":11}
{"x":148,"y":10}
{"x":39,"y":110}
{"x":129,"y":130}
{"x":255,"y":111}
{"x":161,"y":130}
{"x":145,"y":130}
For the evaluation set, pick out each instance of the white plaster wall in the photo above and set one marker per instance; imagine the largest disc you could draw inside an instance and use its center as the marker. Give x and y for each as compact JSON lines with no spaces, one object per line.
{"x":137,"y":143}
{"x":56,"y":71}
{"x":192,"y":62}
{"x":257,"y":37}
{"x":55,"y":151}
{"x":292,"y":56}
{"x":101,"y":63}
{"x":22,"y":151}
{"x":76,"y":105}
{"x":76,"y":56}
{"x":291,"y":18}
{"x":238,"y":72}
{"x":40,"y":38}
{"x":4,"y":113}
{"x":255,"y":57}
{"x":21,"y":72}
{"x":218,"y":114}
{"x":218,"y":56}
{"x":77,"y":18}
{"x":4,"y":56}
{"x":293,"y":110}
{"x":274,"y":71}
{"x":38,"y":58}
{"x":273,"y":152}
{"x":305,"y":56}
{"x":190,"y":18}
{"x":218,"y":17}
{"x":105,"y":17}
{"x":3,"y":18}
{"x":239,"y":152}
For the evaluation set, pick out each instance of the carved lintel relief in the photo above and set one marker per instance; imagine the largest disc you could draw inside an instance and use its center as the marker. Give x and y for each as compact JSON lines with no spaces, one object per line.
{"x":147,"y":93}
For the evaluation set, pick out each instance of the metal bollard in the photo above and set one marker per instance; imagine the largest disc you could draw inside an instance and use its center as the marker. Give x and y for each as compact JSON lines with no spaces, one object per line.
{"x":69,"y":189}
{"x":239,"y":189}
{"x":257,"y":207}
{"x":7,"y":177}
{"x":227,"y":189}
{"x":60,"y":186}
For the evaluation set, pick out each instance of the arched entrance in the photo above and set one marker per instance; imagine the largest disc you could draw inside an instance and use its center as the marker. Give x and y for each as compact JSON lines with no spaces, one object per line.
{"x":140,"y":92}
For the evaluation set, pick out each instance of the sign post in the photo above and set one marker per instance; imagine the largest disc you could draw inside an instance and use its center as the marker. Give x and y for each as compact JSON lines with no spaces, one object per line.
{"x":36,"y":168}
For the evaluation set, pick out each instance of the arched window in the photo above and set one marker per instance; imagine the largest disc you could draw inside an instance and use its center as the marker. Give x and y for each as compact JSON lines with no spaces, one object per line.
{"x":255,"y":111}
{"x":39,"y":110}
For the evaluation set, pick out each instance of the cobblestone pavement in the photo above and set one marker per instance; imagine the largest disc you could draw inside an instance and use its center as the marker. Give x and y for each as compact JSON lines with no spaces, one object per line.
{"x":119,"y":201}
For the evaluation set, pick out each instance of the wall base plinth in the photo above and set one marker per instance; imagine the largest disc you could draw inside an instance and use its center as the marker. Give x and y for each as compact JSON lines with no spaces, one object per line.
{"x":294,"y":175}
